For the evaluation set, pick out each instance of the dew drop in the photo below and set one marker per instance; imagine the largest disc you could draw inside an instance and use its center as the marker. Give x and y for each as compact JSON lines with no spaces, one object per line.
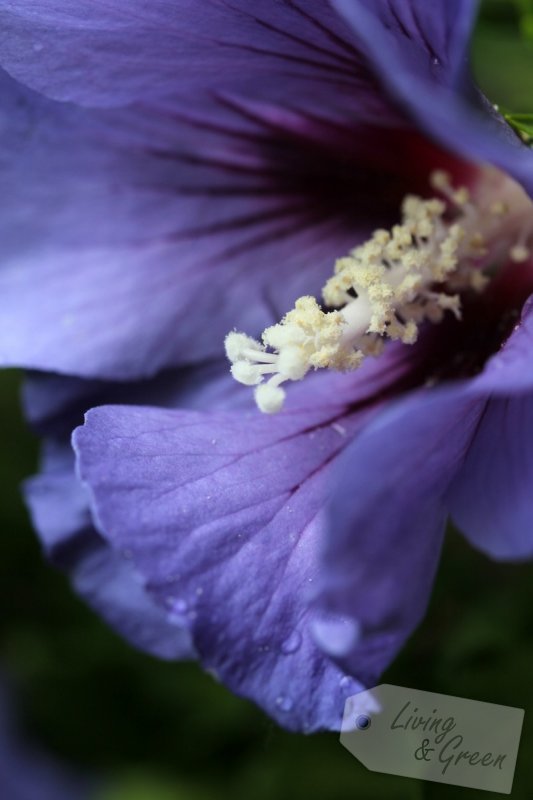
{"x":346,"y":682}
{"x":335,"y":634}
{"x":284,"y":703}
{"x":177,"y":607}
{"x":340,"y":429}
{"x":291,"y":643}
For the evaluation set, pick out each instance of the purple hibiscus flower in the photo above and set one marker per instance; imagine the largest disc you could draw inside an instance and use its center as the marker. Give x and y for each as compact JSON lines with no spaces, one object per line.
{"x":203,"y":186}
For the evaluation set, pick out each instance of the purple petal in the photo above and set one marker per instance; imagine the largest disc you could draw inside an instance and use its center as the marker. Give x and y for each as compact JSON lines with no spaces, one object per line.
{"x":241,"y":200}
{"x":490,"y":500}
{"x":186,"y":199}
{"x":105,"y":579}
{"x":386,"y":522}
{"x":431,"y":40}
{"x":510,"y":371}
{"x":55,"y":404}
{"x":223,"y":517}
{"x":59,"y":504}
{"x":419,"y":51}
{"x":108,"y":54}
{"x":93,"y":228}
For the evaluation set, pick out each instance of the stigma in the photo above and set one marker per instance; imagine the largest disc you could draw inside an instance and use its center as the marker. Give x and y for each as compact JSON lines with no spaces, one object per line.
{"x":385,"y":288}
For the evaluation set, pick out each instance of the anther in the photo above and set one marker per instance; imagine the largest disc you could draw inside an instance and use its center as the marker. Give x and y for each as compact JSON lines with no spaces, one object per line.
{"x":384,"y":289}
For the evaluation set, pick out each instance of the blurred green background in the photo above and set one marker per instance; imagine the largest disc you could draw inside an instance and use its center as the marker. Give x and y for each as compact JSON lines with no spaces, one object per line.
{"x":157,"y":731}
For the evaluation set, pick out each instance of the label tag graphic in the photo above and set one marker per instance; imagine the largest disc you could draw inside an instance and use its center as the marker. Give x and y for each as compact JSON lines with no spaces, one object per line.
{"x":433,"y":737}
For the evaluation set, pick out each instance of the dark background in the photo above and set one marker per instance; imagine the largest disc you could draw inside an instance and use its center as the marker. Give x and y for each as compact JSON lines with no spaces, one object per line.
{"x":157,"y":731}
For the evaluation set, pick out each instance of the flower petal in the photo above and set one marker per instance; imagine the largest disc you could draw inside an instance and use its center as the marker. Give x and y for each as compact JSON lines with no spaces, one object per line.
{"x":108,"y":583}
{"x":55,"y":404}
{"x":419,"y":51}
{"x":387,"y":518}
{"x":109,"y":208}
{"x":109,"y":54}
{"x":510,"y":370}
{"x":222,"y":515}
{"x":490,"y":500}
{"x":92,"y":230}
{"x":420,"y":37}
{"x":59,"y":504}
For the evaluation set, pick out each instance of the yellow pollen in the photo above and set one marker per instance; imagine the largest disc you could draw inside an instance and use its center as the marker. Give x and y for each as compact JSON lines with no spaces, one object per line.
{"x":384,"y":289}
{"x":519,"y":253}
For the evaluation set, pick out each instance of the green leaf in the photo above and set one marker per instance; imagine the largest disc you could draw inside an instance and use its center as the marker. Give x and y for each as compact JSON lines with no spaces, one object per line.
{"x":525,"y":14}
{"x":523,"y":125}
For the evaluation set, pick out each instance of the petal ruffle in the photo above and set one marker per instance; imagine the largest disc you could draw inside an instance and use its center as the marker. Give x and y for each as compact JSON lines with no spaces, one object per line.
{"x":59,"y":504}
{"x":107,"y":582}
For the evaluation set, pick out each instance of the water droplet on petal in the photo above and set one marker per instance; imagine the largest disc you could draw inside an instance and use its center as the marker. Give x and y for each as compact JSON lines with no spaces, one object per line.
{"x":335,"y":634}
{"x":347,"y":683}
{"x":284,"y":703}
{"x":291,"y":643}
{"x":177,"y":608}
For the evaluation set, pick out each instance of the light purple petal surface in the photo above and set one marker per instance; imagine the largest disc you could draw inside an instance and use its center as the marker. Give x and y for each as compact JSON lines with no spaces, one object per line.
{"x":102,"y":53}
{"x":386,"y":521}
{"x":108,"y":582}
{"x":223,"y":517}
